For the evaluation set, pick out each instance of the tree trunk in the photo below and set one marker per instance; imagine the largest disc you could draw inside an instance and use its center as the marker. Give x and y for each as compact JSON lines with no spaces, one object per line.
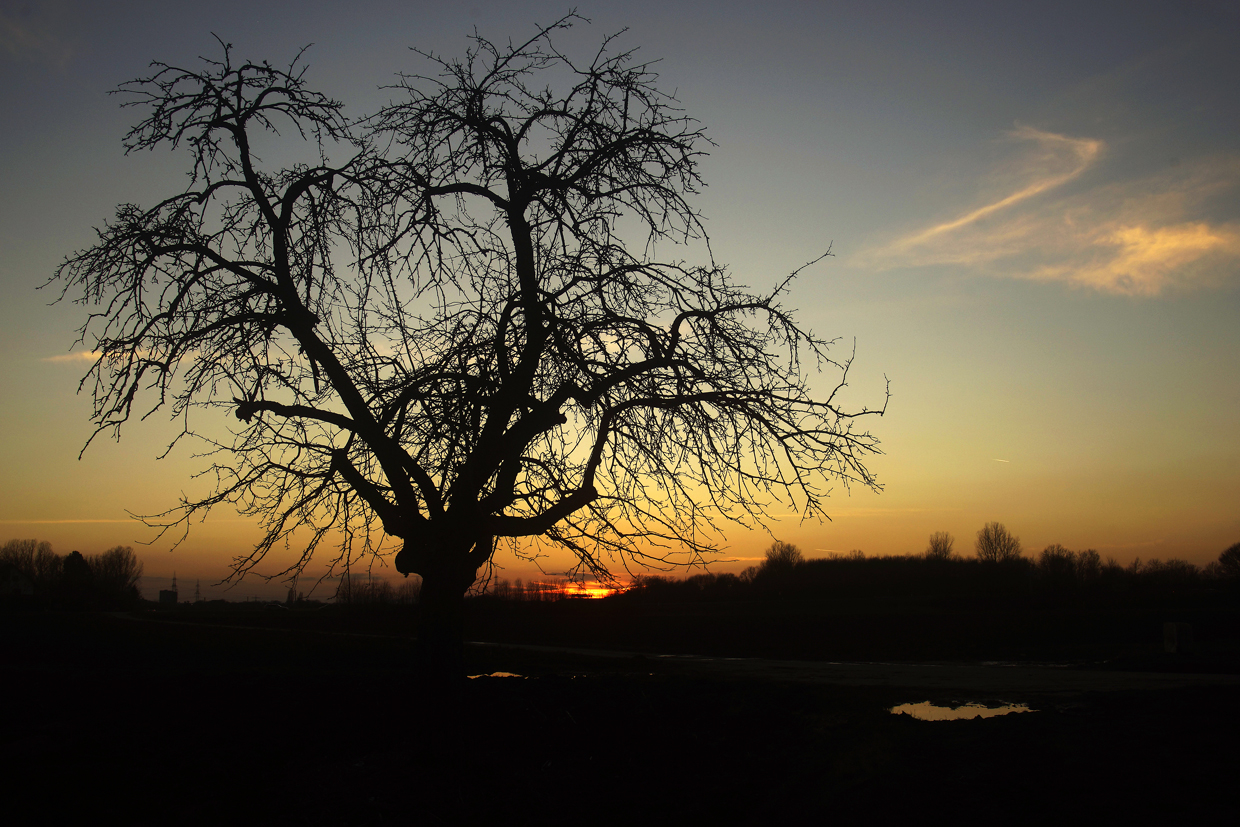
{"x":448,"y":568}
{"x":441,"y":629}
{"x":440,"y":684}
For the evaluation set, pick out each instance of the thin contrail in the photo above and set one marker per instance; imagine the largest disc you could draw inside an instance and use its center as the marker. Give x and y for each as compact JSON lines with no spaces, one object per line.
{"x":60,"y":522}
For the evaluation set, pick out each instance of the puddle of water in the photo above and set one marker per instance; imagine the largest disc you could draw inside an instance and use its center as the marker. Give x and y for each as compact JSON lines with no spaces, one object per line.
{"x":926,"y":711}
{"x":497,"y":675}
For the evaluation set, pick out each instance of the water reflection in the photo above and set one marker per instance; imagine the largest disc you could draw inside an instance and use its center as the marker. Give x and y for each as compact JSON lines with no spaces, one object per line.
{"x":926,"y":711}
{"x":497,"y":675}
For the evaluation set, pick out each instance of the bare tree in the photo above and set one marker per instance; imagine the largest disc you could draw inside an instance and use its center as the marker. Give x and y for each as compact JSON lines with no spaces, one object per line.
{"x":940,"y":547}
{"x":20,"y":554}
{"x":782,"y":557}
{"x":117,"y":573}
{"x":995,"y":544}
{"x":36,"y":560}
{"x":461,"y":332}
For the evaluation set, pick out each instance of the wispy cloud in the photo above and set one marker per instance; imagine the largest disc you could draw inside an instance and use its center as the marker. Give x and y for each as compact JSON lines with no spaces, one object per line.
{"x":1056,"y":161}
{"x":1144,"y":259}
{"x":1140,"y":236}
{"x":78,"y":356}
{"x":61,"y":522}
{"x":878,"y":512}
{"x":118,"y":358}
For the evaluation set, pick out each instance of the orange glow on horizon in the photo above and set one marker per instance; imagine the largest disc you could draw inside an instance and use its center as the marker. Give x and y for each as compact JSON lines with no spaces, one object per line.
{"x":592,"y":590}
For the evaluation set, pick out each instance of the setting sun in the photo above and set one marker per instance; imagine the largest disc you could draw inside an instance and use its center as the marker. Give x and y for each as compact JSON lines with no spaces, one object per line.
{"x":592,"y":590}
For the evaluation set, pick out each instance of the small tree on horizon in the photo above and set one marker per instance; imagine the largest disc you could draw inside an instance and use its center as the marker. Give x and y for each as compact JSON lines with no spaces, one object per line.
{"x":782,"y":557}
{"x":117,"y":573}
{"x":940,"y":547}
{"x":995,"y":544}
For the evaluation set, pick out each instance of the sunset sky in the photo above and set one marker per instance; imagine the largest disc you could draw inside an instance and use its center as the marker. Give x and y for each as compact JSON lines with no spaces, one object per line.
{"x":1034,"y":215}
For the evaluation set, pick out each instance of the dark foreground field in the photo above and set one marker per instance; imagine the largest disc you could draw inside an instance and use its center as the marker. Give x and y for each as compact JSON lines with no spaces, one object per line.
{"x":119,"y":720}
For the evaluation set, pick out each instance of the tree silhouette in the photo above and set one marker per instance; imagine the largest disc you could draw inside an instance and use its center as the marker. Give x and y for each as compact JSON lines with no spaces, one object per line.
{"x":461,"y":332}
{"x":782,"y":557}
{"x":117,"y":573}
{"x":76,"y":580}
{"x":995,"y":544}
{"x":940,"y":546}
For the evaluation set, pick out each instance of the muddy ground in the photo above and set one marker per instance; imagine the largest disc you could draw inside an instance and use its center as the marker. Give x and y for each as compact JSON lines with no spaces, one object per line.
{"x":140,"y":722}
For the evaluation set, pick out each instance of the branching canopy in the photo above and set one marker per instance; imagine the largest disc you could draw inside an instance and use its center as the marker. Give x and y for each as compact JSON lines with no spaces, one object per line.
{"x":452,"y":324}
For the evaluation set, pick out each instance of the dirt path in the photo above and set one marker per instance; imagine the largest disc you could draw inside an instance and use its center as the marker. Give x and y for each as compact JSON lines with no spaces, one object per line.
{"x":1001,"y":678}
{"x":973,"y":677}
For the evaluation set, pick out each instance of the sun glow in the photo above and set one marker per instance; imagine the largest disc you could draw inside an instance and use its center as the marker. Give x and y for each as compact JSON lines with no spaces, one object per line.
{"x":592,"y":590}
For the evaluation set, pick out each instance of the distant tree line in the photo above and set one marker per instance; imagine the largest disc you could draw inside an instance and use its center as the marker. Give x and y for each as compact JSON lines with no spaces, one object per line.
{"x":374,"y":591}
{"x":32,"y":573}
{"x":536,"y":591}
{"x":998,"y":571}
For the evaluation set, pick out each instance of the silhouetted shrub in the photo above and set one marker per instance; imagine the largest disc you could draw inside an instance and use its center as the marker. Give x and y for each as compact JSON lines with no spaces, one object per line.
{"x":368,"y":591}
{"x":409,"y":589}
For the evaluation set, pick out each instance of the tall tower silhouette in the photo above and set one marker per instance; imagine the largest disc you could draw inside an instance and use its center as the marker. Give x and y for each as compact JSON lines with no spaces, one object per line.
{"x":168,"y":596}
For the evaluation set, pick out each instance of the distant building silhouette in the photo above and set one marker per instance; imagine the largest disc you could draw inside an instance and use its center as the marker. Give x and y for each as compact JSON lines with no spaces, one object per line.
{"x":169,"y":596}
